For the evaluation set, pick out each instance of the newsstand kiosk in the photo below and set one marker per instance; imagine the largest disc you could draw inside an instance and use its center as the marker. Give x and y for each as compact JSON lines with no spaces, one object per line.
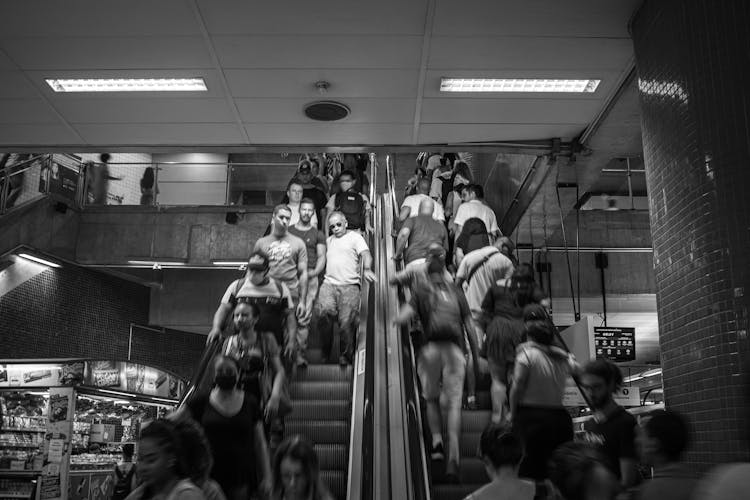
{"x":64,"y":423}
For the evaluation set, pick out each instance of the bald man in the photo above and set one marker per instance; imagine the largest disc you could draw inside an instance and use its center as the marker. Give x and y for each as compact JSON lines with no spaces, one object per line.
{"x":410,"y":206}
{"x":418,"y":233}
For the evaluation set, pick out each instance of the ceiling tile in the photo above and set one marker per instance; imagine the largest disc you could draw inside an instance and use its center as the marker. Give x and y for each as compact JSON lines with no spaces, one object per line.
{"x":26,"y":111}
{"x":329,"y":133}
{"x":161,"y":133}
{"x":530,"y":53}
{"x":14,"y":85}
{"x":303,"y":17}
{"x":107,"y":53}
{"x":291,"y":110}
{"x":18,"y":134}
{"x":331,"y":51}
{"x":31,"y":18}
{"x":592,"y":18}
{"x":457,"y":110}
{"x":149,"y":110}
{"x":301,"y":83}
{"x":473,"y":132}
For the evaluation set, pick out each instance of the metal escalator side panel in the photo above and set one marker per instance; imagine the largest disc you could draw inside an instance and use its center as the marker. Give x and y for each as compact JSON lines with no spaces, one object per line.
{"x":201,"y":378}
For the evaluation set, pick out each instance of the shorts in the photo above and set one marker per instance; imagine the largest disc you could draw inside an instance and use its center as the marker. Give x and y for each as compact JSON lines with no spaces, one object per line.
{"x":342,"y":301}
{"x":441,"y":367}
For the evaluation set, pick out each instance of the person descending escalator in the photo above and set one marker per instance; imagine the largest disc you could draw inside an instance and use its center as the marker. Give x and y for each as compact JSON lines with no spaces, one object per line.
{"x":441,"y":366}
{"x":296,"y":472}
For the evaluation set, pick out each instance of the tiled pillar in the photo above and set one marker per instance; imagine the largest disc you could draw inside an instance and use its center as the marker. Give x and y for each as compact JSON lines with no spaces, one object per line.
{"x":693,"y":61}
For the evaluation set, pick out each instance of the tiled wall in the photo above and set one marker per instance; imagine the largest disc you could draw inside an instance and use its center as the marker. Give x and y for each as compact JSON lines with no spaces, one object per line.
{"x":692,"y":59}
{"x":74,"y":312}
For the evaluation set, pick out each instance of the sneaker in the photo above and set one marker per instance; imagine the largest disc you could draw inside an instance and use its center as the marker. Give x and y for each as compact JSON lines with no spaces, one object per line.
{"x":437,"y":453}
{"x":301,"y":361}
{"x":343,"y":361}
{"x":471,"y":403}
{"x":451,"y":473}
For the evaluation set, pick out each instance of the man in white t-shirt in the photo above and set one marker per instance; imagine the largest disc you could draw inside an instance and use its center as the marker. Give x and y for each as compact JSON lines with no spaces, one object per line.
{"x":410,"y":206}
{"x":473,"y":206}
{"x":339,"y":295}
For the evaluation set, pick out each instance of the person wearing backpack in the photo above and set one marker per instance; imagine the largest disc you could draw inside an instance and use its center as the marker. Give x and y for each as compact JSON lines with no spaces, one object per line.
{"x":348,"y":201}
{"x":125,"y":473}
{"x":444,"y":314}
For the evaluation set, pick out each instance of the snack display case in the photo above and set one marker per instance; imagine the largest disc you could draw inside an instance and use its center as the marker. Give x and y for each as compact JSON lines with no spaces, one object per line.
{"x":65,"y":422}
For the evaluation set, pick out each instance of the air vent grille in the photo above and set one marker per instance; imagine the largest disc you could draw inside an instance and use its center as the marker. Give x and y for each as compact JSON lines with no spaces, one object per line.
{"x":326,"y":111}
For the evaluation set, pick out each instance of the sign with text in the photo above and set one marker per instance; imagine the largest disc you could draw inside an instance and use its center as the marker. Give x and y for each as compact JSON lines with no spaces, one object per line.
{"x":615,"y":344}
{"x":625,"y":396}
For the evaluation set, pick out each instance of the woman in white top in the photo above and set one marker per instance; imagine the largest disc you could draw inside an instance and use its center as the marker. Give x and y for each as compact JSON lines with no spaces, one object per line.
{"x":536,"y":395}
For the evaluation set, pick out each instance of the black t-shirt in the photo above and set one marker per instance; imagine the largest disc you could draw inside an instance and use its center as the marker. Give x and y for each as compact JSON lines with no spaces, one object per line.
{"x":232,"y":441}
{"x":616,"y":436}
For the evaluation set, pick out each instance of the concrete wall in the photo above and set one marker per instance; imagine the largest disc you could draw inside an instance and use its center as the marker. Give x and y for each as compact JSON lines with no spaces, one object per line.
{"x":114,"y":237}
{"x":39,"y":225}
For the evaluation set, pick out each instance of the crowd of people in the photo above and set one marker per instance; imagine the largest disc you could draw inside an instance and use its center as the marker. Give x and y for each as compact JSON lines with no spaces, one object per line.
{"x":472,"y":309}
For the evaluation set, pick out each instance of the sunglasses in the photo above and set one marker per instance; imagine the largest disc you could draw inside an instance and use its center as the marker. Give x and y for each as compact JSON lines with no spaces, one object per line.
{"x":335,"y":224}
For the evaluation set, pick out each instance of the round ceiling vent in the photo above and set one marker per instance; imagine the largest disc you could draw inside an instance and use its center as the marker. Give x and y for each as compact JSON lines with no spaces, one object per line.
{"x":326,"y":111}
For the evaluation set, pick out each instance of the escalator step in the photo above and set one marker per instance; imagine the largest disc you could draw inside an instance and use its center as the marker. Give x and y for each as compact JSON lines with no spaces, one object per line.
{"x":469,"y":444}
{"x":320,"y":431}
{"x":320,"y":390}
{"x":454,"y":491}
{"x":317,"y":409}
{"x":324,"y":373}
{"x":336,"y":482}
{"x":332,"y":456}
{"x":484,"y":400}
{"x":474,"y":421}
{"x":471,"y":471}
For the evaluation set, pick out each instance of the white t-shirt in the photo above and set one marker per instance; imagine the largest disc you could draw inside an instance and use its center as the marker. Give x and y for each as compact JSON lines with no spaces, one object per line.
{"x":476,"y":208}
{"x":342,"y":258}
{"x":496,"y":267}
{"x":413,"y":202}
{"x":295,"y":216}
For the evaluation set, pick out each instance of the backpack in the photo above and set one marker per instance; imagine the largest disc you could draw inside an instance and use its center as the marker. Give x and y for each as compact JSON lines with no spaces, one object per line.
{"x":446,"y":187}
{"x":124,"y":483}
{"x":352,"y":205}
{"x":441,"y":323}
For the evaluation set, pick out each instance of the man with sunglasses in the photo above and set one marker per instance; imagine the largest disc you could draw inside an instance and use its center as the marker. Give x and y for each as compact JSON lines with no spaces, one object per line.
{"x":339,"y":296}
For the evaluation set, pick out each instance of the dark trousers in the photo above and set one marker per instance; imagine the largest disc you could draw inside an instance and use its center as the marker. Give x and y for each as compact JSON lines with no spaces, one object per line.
{"x":542,"y":430}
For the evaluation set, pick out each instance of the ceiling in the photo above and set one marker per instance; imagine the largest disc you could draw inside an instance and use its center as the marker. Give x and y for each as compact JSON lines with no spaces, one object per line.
{"x":260,"y":61}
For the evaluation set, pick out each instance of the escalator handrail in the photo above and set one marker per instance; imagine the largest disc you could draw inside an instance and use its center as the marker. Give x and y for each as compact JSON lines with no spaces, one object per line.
{"x":198,"y":378}
{"x":417,"y":451}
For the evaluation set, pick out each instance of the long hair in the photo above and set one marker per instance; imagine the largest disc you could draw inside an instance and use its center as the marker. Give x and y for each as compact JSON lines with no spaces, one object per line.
{"x":521,"y":285}
{"x":165,"y":433}
{"x":299,"y":449}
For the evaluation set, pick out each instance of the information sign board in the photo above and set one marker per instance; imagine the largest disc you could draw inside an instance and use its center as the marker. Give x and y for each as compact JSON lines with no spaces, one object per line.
{"x":614,"y":343}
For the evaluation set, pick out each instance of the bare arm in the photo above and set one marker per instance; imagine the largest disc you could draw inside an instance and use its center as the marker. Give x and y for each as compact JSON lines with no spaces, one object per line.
{"x":220,"y":316}
{"x":366,"y":257}
{"x":517,"y":390}
{"x":404,"y":213}
{"x":320,"y":265}
{"x":401,"y":240}
{"x":459,"y":255}
{"x":302,"y":277}
{"x":290,"y":330}
{"x":404,"y":315}
{"x":261,"y":452}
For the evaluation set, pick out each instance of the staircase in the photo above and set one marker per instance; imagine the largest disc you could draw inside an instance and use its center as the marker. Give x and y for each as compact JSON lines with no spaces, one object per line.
{"x":321,"y":397}
{"x":472,"y":474}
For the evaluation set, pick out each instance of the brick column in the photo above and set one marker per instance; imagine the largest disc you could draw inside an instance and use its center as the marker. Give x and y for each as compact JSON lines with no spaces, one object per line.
{"x":693,"y":61}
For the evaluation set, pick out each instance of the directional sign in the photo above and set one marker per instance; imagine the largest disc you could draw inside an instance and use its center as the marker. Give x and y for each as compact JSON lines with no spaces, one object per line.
{"x":616,"y":344}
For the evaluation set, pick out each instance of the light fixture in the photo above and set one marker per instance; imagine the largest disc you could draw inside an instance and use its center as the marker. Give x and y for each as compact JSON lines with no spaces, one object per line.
{"x":240,"y":264}
{"x":517,"y":85}
{"x":155,"y":264}
{"x":652,"y":373}
{"x":127,"y":84}
{"x":632,"y":378}
{"x":38,"y":260}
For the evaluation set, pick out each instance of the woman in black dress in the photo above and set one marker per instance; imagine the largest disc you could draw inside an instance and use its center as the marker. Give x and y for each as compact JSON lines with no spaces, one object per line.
{"x":232,"y":421}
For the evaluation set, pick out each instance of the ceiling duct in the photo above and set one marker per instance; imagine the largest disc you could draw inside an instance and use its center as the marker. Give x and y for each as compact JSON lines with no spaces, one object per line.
{"x":326,"y":111}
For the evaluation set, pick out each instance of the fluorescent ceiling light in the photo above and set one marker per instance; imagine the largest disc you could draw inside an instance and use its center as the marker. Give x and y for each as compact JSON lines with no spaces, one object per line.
{"x":517,"y":85}
{"x":38,"y":260}
{"x":127,"y":84}
{"x":242,"y":264}
{"x":652,"y":373}
{"x":632,"y":378}
{"x":155,"y":264}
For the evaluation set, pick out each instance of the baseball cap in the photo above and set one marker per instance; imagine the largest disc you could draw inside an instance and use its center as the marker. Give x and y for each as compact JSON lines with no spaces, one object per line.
{"x":258,"y":261}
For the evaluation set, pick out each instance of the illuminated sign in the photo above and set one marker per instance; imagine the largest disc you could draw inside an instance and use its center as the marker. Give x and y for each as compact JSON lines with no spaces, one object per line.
{"x":615,"y":344}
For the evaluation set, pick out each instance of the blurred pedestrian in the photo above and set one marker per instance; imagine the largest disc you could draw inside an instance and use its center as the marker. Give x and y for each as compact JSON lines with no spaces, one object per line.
{"x":578,"y":472}
{"x":198,"y":459}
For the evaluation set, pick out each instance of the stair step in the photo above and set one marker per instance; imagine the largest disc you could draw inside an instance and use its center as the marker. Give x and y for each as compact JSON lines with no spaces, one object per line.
{"x":471,"y":471}
{"x":332,"y":456}
{"x":318,"y":409}
{"x":319,"y":431}
{"x":324,"y":373}
{"x":336,"y":482}
{"x":474,"y":421}
{"x":300,"y":390}
{"x":454,"y":491}
{"x":469,"y":444}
